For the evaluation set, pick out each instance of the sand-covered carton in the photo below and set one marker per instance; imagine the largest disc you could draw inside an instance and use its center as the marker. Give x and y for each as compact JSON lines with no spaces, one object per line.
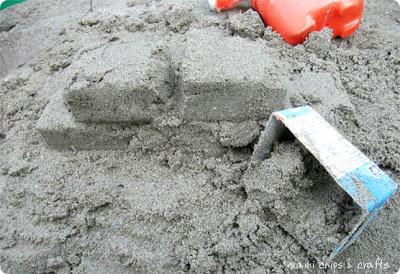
{"x":360,"y":178}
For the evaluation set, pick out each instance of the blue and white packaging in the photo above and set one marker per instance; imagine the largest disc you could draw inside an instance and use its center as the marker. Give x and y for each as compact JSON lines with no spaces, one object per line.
{"x":355,"y":173}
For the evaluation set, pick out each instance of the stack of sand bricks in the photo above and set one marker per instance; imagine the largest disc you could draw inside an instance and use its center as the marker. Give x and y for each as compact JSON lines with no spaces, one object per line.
{"x":132,"y":84}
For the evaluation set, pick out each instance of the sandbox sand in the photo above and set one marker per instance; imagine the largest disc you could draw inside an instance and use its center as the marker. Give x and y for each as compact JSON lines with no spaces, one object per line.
{"x":177,"y":193}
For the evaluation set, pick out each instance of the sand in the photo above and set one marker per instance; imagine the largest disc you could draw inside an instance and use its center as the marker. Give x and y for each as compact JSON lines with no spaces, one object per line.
{"x":167,"y":186}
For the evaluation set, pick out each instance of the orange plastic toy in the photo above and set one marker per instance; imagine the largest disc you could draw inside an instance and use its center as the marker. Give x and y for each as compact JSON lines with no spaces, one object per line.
{"x":295,"y":19}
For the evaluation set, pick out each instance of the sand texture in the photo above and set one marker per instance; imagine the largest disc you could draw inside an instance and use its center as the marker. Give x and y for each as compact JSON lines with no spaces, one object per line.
{"x":127,"y":129}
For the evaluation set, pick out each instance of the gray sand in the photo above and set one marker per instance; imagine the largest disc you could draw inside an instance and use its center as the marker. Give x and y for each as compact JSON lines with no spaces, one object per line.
{"x":303,"y":198}
{"x":166,"y":186}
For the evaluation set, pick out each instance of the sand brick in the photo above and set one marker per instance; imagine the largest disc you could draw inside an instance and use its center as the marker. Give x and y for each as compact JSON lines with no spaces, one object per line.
{"x":123,"y":82}
{"x":62,"y":132}
{"x":228,"y":78}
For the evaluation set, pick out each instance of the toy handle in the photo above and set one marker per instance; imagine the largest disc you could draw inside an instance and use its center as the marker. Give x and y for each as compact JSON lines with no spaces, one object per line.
{"x":8,"y":3}
{"x":220,"y":5}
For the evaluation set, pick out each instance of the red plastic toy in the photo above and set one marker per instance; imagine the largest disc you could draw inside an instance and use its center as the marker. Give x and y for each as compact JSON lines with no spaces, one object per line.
{"x":295,"y":19}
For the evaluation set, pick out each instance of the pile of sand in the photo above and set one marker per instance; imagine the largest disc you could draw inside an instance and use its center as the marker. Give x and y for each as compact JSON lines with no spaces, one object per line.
{"x":175,"y":190}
